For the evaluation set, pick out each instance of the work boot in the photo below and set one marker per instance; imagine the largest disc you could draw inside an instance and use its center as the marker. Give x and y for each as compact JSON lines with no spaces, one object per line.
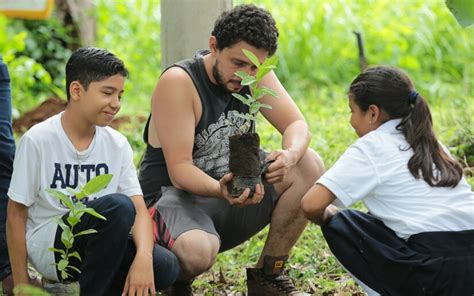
{"x":180,"y":288}
{"x":271,"y":280}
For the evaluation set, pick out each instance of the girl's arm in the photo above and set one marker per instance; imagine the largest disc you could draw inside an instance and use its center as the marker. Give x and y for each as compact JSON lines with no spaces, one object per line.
{"x":316,"y":204}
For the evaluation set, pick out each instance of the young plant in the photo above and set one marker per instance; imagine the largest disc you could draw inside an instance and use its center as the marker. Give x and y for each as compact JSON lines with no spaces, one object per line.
{"x":256,"y":93}
{"x":76,"y":210}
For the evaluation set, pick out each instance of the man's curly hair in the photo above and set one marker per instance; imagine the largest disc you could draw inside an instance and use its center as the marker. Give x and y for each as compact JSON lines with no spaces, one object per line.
{"x":246,"y":23}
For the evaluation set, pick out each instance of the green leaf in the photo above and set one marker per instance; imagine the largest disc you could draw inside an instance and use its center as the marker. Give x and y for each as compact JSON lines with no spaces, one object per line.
{"x":251,"y":57}
{"x":262,"y":72}
{"x":76,"y":255}
{"x":62,"y":252}
{"x":463,"y":11}
{"x":266,"y":106}
{"x":268,"y":65}
{"x":74,"y":268}
{"x":61,"y":196}
{"x":67,"y":239}
{"x":85,"y":232}
{"x":92,"y":212}
{"x":71,"y":191}
{"x":96,"y":184}
{"x":73,"y":220}
{"x":64,"y":275}
{"x":254,"y":109}
{"x":61,"y":224}
{"x":269,"y":91}
{"x":241,"y":98}
{"x":62,"y":264}
{"x":247,"y":79}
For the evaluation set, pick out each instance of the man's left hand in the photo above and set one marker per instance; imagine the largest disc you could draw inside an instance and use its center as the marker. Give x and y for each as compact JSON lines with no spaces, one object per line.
{"x":278,"y":170}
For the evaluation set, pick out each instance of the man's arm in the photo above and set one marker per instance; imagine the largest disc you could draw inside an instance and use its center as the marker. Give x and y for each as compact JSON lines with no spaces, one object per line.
{"x":16,"y":239}
{"x":140,"y":279}
{"x":175,"y":110}
{"x":288,"y":120}
{"x":316,"y":204}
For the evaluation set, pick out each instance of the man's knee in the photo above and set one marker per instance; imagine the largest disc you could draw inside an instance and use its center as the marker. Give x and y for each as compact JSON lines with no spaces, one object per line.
{"x":196,"y":251}
{"x":311,"y":165}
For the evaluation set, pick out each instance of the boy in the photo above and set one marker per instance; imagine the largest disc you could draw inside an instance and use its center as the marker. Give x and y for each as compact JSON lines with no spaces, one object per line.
{"x":68,"y":150}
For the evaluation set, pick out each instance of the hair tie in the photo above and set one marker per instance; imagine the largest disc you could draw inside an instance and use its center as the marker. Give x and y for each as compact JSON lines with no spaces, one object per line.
{"x":412,"y":96}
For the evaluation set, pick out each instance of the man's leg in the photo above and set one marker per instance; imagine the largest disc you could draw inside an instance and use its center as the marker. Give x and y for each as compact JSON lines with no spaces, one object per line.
{"x":287,"y":224}
{"x":288,"y":221}
{"x":196,"y":251}
{"x":101,"y":252}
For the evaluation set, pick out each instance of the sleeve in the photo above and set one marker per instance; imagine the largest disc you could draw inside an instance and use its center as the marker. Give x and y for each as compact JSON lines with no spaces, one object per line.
{"x":128,"y":182}
{"x":352,"y":177}
{"x":25,"y":182}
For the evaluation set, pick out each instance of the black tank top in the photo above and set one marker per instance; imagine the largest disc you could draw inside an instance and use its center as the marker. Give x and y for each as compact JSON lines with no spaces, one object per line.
{"x":211,"y":144}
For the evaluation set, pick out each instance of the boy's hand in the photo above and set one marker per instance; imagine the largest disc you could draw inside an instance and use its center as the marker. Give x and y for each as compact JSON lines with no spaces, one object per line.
{"x":243,"y":200}
{"x":140,"y":279}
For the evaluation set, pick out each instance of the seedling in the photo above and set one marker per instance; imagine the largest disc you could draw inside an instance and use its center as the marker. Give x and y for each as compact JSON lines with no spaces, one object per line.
{"x":76,"y":210}
{"x":256,"y":93}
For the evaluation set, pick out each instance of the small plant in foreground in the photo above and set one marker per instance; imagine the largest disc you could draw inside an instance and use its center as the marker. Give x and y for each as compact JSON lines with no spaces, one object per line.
{"x":76,"y":210}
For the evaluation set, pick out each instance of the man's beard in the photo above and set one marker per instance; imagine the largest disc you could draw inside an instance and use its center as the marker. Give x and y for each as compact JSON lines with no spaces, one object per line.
{"x":218,"y":77}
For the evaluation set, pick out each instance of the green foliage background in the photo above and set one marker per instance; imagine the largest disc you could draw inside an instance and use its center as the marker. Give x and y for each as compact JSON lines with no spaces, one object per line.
{"x":318,"y":58}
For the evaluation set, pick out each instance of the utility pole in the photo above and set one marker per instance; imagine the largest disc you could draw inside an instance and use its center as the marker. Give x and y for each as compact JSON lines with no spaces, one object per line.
{"x":186,"y":26}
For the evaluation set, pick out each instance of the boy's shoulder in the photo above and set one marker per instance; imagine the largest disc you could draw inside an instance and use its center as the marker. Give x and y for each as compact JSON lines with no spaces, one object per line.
{"x":44,"y":130}
{"x":112,"y":136}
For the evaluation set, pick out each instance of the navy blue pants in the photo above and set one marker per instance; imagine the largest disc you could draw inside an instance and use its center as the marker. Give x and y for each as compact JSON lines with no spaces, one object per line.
{"x":7,"y":151}
{"x":108,"y":254}
{"x":430,"y":263}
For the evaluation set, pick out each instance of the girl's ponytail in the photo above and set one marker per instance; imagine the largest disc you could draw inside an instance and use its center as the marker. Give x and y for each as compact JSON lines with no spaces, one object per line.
{"x":428,"y":154}
{"x":392,"y":91}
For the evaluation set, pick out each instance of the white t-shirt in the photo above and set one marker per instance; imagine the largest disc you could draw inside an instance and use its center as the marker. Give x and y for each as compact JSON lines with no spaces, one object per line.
{"x":46,"y":158}
{"x":375,"y":170}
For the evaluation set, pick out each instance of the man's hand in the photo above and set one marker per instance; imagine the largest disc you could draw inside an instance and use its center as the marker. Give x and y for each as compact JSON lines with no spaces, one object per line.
{"x":140,"y":279}
{"x":284,"y":160}
{"x":244,"y":199}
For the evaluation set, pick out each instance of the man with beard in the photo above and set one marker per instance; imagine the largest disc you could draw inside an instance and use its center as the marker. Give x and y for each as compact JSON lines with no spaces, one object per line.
{"x":185,"y":166}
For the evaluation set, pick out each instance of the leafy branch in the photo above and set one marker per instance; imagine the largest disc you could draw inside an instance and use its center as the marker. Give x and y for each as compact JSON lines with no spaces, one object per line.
{"x":256,"y":92}
{"x":76,"y":210}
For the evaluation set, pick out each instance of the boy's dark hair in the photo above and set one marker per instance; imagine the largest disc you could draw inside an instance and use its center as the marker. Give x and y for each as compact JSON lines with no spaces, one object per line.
{"x":246,"y":23}
{"x":90,"y":64}
{"x":392,"y":91}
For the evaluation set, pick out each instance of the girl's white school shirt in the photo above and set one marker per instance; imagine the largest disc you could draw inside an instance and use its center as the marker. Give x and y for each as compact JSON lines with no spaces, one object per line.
{"x":375,"y":170}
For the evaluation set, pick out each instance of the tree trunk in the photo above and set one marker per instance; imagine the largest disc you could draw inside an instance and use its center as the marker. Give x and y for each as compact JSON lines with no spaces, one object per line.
{"x":79,"y":14}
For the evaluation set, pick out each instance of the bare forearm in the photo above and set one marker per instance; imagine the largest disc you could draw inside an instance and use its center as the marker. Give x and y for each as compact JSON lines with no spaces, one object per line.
{"x":142,"y":231}
{"x":296,"y":138}
{"x":323,"y":217}
{"x":191,"y":179}
{"x":16,"y":241}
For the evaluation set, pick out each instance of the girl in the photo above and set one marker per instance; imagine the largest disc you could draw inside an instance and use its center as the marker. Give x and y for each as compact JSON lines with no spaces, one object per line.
{"x":418,"y":237}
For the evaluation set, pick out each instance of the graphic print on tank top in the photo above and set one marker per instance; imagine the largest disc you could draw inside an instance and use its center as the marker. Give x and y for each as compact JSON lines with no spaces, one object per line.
{"x":211,"y":145}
